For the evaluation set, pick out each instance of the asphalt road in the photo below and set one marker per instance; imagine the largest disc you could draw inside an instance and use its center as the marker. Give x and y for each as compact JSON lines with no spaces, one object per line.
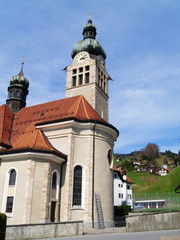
{"x":153,"y":235}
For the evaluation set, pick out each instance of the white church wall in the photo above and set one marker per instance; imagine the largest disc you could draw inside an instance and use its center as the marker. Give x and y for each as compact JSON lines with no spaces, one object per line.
{"x":16,"y":191}
{"x":30,"y":192}
{"x":79,"y":148}
{"x":104,"y":177}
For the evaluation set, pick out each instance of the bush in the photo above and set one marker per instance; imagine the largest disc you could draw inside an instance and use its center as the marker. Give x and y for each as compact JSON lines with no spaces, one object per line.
{"x":3,"y":219}
{"x":122,"y":210}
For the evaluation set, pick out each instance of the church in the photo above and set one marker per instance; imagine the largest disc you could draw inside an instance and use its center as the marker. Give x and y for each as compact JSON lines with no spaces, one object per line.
{"x":56,"y":158}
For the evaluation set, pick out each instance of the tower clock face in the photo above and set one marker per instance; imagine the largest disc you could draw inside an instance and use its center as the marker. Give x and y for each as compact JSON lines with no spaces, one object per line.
{"x":81,"y":58}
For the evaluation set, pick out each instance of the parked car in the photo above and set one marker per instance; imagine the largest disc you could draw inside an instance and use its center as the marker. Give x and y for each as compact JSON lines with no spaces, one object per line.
{"x":138,"y":206}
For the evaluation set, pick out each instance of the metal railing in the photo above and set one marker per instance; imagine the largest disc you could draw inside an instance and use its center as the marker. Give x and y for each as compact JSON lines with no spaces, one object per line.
{"x":159,"y":201}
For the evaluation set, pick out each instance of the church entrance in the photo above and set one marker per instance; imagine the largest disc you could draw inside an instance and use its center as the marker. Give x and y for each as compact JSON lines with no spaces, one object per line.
{"x":53,"y":210}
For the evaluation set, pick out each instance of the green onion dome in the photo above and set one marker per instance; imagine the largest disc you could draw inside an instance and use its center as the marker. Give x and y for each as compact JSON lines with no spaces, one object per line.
{"x":89,"y":43}
{"x":20,"y":79}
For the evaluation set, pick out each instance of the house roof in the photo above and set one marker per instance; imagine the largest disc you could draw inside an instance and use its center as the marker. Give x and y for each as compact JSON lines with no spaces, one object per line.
{"x":120,"y":172}
{"x":18,"y":131}
{"x":6,"y":117}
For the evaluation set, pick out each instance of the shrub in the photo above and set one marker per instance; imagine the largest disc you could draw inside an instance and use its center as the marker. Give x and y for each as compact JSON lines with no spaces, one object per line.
{"x":3,"y":219}
{"x":122,"y":210}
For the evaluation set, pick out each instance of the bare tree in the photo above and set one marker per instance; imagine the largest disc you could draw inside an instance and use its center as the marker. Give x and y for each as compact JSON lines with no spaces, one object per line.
{"x":151,"y":151}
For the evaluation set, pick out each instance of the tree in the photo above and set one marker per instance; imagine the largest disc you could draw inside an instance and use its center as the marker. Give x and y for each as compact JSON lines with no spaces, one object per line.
{"x":127,"y":165}
{"x":151,"y":151}
{"x":177,"y":160}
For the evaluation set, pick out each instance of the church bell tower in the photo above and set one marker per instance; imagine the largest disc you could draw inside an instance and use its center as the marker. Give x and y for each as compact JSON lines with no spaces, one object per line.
{"x":87,"y":74}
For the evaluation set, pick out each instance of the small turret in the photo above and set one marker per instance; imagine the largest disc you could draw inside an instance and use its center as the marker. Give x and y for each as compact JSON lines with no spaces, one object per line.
{"x":17,"y":91}
{"x":89,"y":30}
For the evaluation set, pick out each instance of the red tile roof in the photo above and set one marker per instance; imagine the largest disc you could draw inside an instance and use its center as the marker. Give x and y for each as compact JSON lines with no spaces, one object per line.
{"x":6,"y":117}
{"x":19,"y":130}
{"x":120,"y":172}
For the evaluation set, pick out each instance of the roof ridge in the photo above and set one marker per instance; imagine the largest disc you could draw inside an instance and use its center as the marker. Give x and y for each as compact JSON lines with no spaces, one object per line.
{"x":39,"y":134}
{"x":79,"y":100}
{"x":36,"y":136}
{"x":50,"y":102}
{"x":47,"y":144}
{"x":83,"y":102}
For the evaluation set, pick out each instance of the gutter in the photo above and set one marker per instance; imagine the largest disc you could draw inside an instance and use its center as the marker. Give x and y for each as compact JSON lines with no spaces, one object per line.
{"x":93,"y":174}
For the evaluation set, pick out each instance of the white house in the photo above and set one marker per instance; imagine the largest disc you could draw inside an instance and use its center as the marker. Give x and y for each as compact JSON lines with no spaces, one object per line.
{"x":122,"y":188}
{"x":163,"y":171}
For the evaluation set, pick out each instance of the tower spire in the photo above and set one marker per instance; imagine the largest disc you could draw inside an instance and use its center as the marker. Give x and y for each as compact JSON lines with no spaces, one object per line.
{"x":22,"y":64}
{"x":90,"y":15}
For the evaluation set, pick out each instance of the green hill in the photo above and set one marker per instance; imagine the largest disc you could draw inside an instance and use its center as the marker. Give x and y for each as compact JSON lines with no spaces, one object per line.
{"x":149,"y":183}
{"x":167,"y":183}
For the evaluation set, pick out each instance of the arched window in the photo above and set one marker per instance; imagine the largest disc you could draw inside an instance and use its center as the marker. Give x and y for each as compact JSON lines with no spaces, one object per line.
{"x":77,"y":186}
{"x":10,"y":94}
{"x":17,"y":93}
{"x":54,"y":180}
{"x":110,"y":157}
{"x":12,"y":177}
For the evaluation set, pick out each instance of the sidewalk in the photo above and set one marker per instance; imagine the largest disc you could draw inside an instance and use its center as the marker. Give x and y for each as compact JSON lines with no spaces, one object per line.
{"x":105,"y":230}
{"x":175,"y":237}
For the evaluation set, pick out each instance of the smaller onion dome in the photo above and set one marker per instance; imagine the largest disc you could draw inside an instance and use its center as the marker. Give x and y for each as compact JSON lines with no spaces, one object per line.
{"x":89,"y":43}
{"x":20,"y":79}
{"x":89,"y":31}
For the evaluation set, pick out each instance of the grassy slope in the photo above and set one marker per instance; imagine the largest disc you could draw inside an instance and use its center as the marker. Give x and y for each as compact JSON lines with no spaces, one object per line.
{"x":145,"y":182}
{"x":167,"y":183}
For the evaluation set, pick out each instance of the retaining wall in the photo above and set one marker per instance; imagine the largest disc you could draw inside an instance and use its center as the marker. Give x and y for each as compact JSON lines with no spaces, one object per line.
{"x":153,"y":222}
{"x":45,"y":230}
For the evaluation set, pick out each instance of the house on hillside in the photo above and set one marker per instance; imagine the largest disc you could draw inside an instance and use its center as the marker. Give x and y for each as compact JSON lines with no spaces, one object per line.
{"x":136,"y":164}
{"x":122,"y":188}
{"x":163,"y":171}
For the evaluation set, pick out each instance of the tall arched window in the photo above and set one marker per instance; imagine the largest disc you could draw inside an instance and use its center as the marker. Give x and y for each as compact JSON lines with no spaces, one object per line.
{"x":12,"y":177}
{"x":110,"y":157}
{"x":54,"y":180}
{"x":77,"y":186}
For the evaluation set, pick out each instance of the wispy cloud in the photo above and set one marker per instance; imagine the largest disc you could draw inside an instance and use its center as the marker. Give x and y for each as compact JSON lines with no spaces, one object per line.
{"x":146,"y":100}
{"x":141,"y":39}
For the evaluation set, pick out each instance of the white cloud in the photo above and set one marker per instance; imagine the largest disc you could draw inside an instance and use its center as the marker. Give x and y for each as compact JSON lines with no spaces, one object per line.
{"x":145,"y":104}
{"x":141,"y":40}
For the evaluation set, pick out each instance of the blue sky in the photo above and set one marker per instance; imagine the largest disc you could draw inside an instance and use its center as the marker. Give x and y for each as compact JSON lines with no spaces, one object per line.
{"x":142,"y":42}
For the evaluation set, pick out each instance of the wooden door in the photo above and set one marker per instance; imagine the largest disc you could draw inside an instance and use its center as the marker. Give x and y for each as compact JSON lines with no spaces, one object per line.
{"x":53,"y":210}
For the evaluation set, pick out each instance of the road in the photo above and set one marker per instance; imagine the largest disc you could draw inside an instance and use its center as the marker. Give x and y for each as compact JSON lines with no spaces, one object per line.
{"x":151,"y":235}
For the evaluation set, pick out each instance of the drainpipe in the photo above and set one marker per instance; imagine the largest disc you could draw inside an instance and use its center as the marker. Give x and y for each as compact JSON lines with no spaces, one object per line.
{"x":93,"y":169}
{"x":60,"y":190}
{"x":49,"y":202}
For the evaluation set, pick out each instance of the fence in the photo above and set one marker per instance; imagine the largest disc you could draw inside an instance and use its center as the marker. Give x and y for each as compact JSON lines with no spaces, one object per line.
{"x":159,"y":201}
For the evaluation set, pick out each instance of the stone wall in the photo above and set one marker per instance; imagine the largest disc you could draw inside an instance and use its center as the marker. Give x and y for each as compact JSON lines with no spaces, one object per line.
{"x":45,"y":230}
{"x":153,"y":222}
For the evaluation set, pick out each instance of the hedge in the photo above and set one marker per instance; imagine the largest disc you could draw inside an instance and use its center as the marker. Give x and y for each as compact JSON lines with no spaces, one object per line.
{"x":122,"y":210}
{"x":3,"y":219}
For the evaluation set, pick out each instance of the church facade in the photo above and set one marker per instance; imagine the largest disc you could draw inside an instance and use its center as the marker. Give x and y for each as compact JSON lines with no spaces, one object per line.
{"x":56,"y":160}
